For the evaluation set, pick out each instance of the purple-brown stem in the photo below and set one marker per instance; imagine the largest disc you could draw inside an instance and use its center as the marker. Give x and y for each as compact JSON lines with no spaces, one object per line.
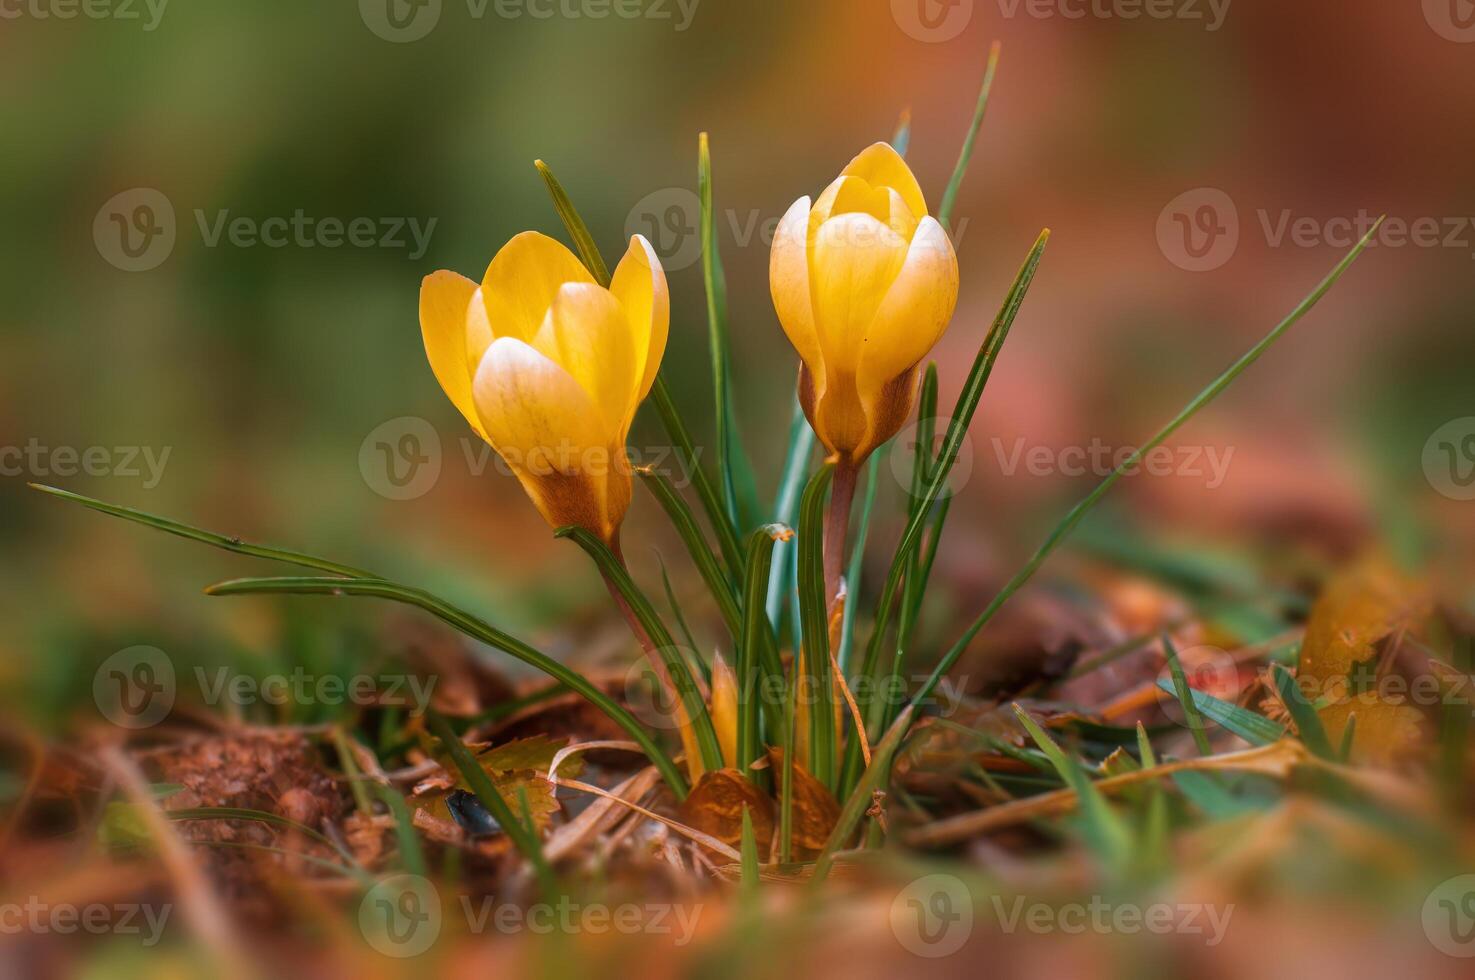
{"x":837,"y":524}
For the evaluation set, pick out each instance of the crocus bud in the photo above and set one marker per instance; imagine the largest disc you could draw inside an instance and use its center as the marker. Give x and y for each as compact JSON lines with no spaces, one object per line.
{"x":548,"y":367}
{"x":864,"y":282}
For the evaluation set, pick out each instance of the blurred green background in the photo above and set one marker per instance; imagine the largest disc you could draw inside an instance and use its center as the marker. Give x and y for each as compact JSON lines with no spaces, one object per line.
{"x":263,"y":371}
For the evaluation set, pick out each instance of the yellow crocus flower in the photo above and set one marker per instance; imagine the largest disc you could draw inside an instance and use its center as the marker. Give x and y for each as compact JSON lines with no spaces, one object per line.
{"x":864,"y":282}
{"x":548,"y":367}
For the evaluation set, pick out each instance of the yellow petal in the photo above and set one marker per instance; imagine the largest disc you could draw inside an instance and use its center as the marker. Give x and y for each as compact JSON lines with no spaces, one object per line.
{"x":587,"y":333}
{"x":444,"y":299}
{"x":852,"y":264}
{"x":522,"y":280}
{"x":478,"y":331}
{"x":881,"y":166}
{"x":724,"y":708}
{"x":855,"y":195}
{"x":916,"y":309}
{"x":639,"y":284}
{"x":788,"y":282}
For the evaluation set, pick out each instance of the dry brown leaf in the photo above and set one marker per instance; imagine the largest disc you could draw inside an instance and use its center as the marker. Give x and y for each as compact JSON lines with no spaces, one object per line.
{"x":715,"y":806}
{"x":815,"y":810}
{"x":1354,"y":631}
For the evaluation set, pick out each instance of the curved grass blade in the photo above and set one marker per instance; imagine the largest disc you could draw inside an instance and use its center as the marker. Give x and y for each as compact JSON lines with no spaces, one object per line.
{"x":754,"y":677}
{"x":676,"y":667}
{"x":578,"y":231}
{"x":260,"y":816}
{"x":734,"y":470}
{"x":786,"y":507}
{"x":221,"y":541}
{"x":1253,"y":728}
{"x":718,"y":582}
{"x":1105,"y":832}
{"x":717,"y":515}
{"x":950,"y":196}
{"x":670,"y":417}
{"x":681,"y":624}
{"x":475,"y":628}
{"x":876,"y":775}
{"x":967,"y":404}
{"x":902,"y":138}
{"x":1185,"y":698}
{"x":1077,"y":513}
{"x":1303,"y":713}
{"x":481,"y":784}
{"x":814,"y":619}
{"x":412,"y":855}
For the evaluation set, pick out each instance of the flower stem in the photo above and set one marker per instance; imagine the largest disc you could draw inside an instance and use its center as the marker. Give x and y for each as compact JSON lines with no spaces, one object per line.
{"x":837,"y":524}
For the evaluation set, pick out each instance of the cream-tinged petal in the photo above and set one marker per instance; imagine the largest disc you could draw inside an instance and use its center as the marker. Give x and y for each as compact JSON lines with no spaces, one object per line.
{"x":881,"y":166}
{"x":916,"y":309}
{"x":522,"y":280}
{"x":852,"y":264}
{"x":444,"y":299}
{"x":639,"y":283}
{"x":587,"y":333}
{"x":533,"y":411}
{"x":788,"y":282}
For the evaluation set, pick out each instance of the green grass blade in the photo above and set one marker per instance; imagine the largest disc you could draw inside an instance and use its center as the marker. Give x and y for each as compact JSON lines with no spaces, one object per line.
{"x":858,"y":801}
{"x":260,"y":816}
{"x":786,"y":509}
{"x":1145,"y":755}
{"x":1303,"y":713}
{"x":717,"y":516}
{"x":753,"y":675}
{"x":716,"y":577}
{"x":412,"y":855}
{"x":1185,"y":698}
{"x":814,"y":618}
{"x":224,"y":542}
{"x":1253,"y":728}
{"x":856,"y":567}
{"x":670,"y":591}
{"x":734,"y":470}
{"x":901,"y":139}
{"x":1107,"y":835}
{"x":967,"y":404}
{"x":749,"y":854}
{"x":1077,"y":513}
{"x":578,"y":231}
{"x":475,"y":628}
{"x":481,"y":784}
{"x":619,"y":578}
{"x":950,"y":196}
